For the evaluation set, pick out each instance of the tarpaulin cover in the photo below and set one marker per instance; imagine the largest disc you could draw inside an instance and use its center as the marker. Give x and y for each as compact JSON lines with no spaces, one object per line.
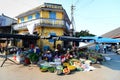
{"x":102,"y":39}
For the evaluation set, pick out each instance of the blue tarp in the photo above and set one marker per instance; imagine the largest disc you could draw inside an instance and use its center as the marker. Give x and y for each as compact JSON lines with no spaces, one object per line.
{"x":102,"y":39}
{"x":108,"y":40}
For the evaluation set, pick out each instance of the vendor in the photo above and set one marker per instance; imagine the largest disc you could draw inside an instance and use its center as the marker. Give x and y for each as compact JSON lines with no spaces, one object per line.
{"x":67,"y":55}
{"x":56,"y":54}
{"x":47,"y":56}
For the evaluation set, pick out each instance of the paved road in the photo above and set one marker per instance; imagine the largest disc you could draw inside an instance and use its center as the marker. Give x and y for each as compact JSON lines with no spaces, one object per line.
{"x":114,"y":63}
{"x":110,"y":70}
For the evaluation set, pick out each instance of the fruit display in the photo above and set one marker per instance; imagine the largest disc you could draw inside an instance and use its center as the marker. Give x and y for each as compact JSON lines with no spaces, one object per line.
{"x":71,"y":67}
{"x":43,"y":69}
{"x":93,"y":60}
{"x":79,"y":69}
{"x":59,"y":72}
{"x":66,"y":70}
{"x":51,"y":69}
{"x":71,"y":61}
{"x":59,"y":69}
{"x":71,"y":64}
{"x":66,"y":64}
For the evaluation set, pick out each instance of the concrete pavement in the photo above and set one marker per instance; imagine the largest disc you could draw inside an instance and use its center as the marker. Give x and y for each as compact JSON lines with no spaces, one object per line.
{"x":114,"y":63}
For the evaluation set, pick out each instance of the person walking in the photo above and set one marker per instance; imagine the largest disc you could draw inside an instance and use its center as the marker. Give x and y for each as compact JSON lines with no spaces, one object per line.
{"x":97,"y":48}
{"x":104,"y":48}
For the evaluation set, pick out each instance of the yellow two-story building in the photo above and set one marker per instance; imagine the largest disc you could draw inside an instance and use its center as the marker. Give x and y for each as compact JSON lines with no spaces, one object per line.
{"x":44,"y":20}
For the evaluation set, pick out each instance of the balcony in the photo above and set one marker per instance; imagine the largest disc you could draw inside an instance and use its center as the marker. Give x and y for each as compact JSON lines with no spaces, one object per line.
{"x":40,"y":22}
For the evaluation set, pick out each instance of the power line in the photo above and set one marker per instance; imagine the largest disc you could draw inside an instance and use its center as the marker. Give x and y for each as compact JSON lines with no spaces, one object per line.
{"x":76,"y":9}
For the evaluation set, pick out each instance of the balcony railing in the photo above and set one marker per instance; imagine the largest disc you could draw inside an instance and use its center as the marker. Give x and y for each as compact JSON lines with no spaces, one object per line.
{"x":40,"y":22}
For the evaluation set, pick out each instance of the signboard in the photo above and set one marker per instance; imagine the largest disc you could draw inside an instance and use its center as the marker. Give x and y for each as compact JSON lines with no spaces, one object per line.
{"x":55,"y":6}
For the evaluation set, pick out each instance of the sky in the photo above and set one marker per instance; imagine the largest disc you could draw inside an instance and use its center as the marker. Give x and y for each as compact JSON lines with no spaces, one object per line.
{"x":96,"y":16}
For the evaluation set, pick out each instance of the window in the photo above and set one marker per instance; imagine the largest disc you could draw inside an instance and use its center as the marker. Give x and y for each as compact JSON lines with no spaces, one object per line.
{"x":30,"y":17}
{"x":52,"y":15}
{"x":37,"y":15}
{"x":22,"y":19}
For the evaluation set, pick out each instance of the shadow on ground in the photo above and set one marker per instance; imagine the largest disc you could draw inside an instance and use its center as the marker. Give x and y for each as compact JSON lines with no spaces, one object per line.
{"x":114,"y":63}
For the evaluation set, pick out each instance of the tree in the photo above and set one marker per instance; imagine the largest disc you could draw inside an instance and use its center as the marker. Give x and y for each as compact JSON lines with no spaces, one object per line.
{"x":83,"y":33}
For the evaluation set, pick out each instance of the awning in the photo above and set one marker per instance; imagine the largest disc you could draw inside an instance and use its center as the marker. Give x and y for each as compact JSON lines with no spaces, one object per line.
{"x":66,"y":38}
{"x":102,"y":39}
{"x":107,"y":40}
{"x":18,"y":36}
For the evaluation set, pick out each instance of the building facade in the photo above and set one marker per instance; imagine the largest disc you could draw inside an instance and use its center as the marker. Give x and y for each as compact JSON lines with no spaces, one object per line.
{"x":5,"y":27}
{"x":6,"y":23}
{"x":44,"y":20}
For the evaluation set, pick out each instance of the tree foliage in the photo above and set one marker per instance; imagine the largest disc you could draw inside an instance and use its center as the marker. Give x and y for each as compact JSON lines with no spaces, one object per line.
{"x":83,"y":33}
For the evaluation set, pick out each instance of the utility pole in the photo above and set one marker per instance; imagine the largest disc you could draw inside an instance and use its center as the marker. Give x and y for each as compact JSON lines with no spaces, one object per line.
{"x":72,"y":33}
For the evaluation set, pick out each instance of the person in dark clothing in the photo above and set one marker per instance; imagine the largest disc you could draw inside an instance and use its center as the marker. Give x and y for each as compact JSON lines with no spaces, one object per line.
{"x":56,"y":54}
{"x":49,"y":56}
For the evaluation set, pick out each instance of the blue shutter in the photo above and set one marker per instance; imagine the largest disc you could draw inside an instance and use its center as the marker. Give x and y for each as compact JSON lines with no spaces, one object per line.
{"x":37,"y":15}
{"x":53,"y":34}
{"x":52,"y":15}
{"x":30,"y":17}
{"x":22,"y":19}
{"x":45,"y":48}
